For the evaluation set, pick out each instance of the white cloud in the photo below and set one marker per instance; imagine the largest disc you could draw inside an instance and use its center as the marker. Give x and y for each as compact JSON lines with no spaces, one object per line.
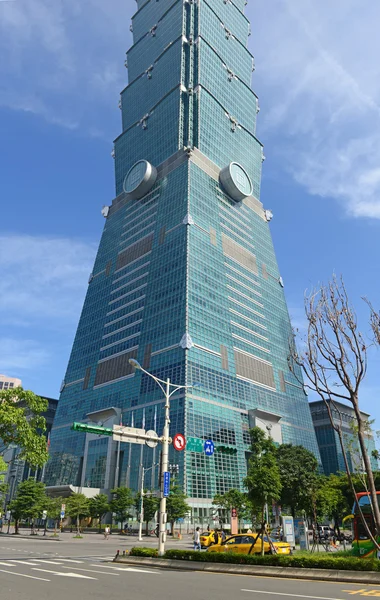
{"x":318,"y":76}
{"x":318,"y":69}
{"x":21,"y":355}
{"x":42,"y":278}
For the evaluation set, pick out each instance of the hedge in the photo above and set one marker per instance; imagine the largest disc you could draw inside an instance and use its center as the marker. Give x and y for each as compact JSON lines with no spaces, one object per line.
{"x":312,"y":561}
{"x":147,"y":552}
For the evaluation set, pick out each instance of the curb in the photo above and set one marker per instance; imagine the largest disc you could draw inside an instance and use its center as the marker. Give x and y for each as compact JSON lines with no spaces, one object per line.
{"x":41,"y":538}
{"x":365,"y":577}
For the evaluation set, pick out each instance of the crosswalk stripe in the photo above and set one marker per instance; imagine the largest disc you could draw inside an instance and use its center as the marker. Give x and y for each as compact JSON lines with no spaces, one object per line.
{"x":125,"y":569}
{"x":92,"y":571}
{"x":48,"y":562}
{"x":26,"y":562}
{"x":60,"y":574}
{"x":23,"y":575}
{"x":7,"y":564}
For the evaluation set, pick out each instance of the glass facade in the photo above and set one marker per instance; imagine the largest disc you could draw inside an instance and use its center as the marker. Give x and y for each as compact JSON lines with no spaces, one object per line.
{"x":186,"y":278}
{"x":328,"y":440}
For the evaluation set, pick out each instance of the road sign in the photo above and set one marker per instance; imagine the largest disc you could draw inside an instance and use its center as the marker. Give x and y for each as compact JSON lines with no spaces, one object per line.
{"x":209,"y":447}
{"x":129,"y":434}
{"x":179,"y":442}
{"x":152,"y":440}
{"x":194,"y":444}
{"x":96,"y":429}
{"x":63,"y":507}
{"x":166,"y":484}
{"x":44,"y":515}
{"x":62,"y":514}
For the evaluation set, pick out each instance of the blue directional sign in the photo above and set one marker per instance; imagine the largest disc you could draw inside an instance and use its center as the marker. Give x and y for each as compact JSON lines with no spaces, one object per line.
{"x":166,"y":484}
{"x":209,"y":447}
{"x":62,"y":514}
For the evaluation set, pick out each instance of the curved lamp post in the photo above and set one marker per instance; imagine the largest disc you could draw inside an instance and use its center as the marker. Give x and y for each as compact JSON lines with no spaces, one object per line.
{"x":168,"y":390}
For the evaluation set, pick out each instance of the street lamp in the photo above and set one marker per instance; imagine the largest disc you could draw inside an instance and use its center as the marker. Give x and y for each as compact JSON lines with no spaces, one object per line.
{"x":165,"y":440}
{"x":142,"y":500}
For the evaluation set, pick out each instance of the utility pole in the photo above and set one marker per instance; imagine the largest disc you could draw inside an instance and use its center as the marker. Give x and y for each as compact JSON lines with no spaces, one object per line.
{"x":144,"y":471}
{"x":141,"y":505}
{"x":164,"y":468}
{"x":140,"y":436}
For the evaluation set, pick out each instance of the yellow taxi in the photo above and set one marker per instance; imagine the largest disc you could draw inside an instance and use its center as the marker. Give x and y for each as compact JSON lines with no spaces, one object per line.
{"x":207,"y":538}
{"x":246,"y":543}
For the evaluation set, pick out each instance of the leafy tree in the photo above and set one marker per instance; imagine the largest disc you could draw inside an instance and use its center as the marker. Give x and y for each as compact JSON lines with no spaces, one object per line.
{"x":122,"y":501}
{"x":176,"y":506}
{"x":99,"y":507}
{"x":232,"y":499}
{"x":298,"y":471}
{"x":53,"y":507}
{"x":263,"y":479}
{"x":151,"y":506}
{"x":78,"y":506}
{"x":333,"y":498}
{"x":29,"y":502}
{"x":3,"y":486}
{"x":21,"y":423}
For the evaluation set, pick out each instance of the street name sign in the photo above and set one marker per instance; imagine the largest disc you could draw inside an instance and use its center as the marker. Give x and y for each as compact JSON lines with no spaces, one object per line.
{"x":166,"y":484}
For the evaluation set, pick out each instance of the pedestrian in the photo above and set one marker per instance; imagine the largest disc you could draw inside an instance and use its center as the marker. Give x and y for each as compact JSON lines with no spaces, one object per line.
{"x":223,"y":536}
{"x":208,"y":528}
{"x":197,"y":539}
{"x":106,"y":532}
{"x":216,"y":537}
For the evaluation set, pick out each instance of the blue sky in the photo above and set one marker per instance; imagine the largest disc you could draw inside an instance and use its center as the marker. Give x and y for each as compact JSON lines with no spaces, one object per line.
{"x":61,"y":71}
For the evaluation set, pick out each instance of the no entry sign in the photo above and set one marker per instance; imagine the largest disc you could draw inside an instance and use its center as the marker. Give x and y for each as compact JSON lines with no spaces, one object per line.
{"x":179,"y":442}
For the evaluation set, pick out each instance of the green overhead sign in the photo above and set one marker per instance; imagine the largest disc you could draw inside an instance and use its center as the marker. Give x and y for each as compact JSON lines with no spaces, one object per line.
{"x":97,"y":429}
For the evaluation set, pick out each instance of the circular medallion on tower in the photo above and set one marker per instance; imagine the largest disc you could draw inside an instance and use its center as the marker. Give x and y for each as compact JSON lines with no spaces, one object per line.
{"x":140,"y":179}
{"x":235,"y":181}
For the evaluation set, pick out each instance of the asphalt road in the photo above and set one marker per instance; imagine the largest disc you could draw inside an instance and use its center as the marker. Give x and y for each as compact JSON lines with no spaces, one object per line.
{"x":33,"y":569}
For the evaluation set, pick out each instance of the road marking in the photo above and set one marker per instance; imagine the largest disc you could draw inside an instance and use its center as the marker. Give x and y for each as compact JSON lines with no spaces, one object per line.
{"x":92,"y":571}
{"x":59,"y":574}
{"x":364,"y":592}
{"x":48,"y":562}
{"x":77,"y":562}
{"x":22,"y":575}
{"x":25,"y":562}
{"x":7,"y":564}
{"x":291,"y":595}
{"x":125,"y":569}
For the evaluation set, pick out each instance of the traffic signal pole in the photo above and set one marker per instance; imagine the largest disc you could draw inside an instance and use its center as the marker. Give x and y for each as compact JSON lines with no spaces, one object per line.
{"x":164,"y":468}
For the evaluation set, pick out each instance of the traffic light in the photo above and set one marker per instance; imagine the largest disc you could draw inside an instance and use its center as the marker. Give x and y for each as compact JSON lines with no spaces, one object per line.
{"x":97,"y":429}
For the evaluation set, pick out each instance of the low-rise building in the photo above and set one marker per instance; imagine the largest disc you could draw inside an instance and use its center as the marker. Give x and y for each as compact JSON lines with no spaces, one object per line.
{"x":7,"y":383}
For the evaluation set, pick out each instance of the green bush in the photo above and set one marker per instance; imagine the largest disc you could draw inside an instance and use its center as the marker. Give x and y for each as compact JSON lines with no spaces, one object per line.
{"x":146,"y":552}
{"x":311,"y":561}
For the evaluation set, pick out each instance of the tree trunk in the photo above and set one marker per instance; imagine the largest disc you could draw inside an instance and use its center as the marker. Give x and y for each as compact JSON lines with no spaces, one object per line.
{"x":368,"y":468}
{"x":16,"y":526}
{"x":172,"y":528}
{"x":352,"y":486}
{"x":78,"y":531}
{"x":100,"y":523}
{"x":146,"y":527}
{"x":262,"y":530}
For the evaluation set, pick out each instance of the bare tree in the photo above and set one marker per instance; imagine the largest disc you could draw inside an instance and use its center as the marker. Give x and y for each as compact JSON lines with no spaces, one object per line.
{"x":375,"y":322}
{"x":334,"y":364}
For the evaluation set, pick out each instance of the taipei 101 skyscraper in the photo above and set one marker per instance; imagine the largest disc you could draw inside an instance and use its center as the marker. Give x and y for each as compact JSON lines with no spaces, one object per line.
{"x":185,"y":280}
